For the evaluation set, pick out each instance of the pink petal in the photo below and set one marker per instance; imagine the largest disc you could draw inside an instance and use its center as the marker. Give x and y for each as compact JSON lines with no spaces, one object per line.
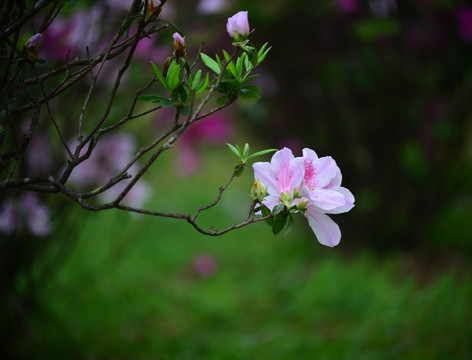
{"x":349,"y":201}
{"x":288,"y":174}
{"x":265,"y":174}
{"x":326,"y":230}
{"x":325,"y":199}
{"x":327,"y":173}
{"x":271,"y":200}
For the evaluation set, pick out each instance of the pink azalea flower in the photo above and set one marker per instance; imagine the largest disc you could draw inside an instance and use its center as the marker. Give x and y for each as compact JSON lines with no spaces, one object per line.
{"x":238,"y":25}
{"x":310,"y":179}
{"x":322,"y":187}
{"x":283,"y":173}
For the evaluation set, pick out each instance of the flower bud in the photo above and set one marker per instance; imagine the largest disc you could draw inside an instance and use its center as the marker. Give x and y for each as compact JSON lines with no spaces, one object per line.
{"x":152,"y":6}
{"x":238,"y":25}
{"x":258,"y":191}
{"x":30,"y":49}
{"x":179,"y":45}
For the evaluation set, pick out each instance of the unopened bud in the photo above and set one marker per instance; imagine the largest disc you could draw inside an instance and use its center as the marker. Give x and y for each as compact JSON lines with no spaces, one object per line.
{"x":153,"y":8}
{"x":30,"y":49}
{"x":258,"y":191}
{"x":179,"y":45}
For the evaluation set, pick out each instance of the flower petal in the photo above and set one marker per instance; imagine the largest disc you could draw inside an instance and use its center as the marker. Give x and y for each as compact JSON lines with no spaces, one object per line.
{"x":349,"y":201}
{"x":327,"y":173}
{"x":325,"y":199}
{"x":326,"y":230}
{"x":288,"y":174}
{"x":265,"y":174}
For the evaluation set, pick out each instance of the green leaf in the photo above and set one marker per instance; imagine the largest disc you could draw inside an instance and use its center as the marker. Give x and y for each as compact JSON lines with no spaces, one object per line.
{"x":212,"y":64}
{"x":168,"y":103}
{"x":231,"y":65}
{"x":262,"y":54}
{"x":151,"y":98}
{"x":259,"y":153}
{"x":184,"y":110}
{"x":159,"y":75}
{"x":196,"y":80}
{"x":240,"y":170}
{"x":265,"y":211}
{"x":234,"y":150}
{"x":181,"y":92}
{"x":278,"y":209}
{"x":246,"y":150}
{"x":248,"y":79}
{"x":279,"y":222}
{"x":203,"y":85}
{"x":289,"y":228}
{"x":222,"y":100}
{"x":248,"y":95}
{"x":173,"y":75}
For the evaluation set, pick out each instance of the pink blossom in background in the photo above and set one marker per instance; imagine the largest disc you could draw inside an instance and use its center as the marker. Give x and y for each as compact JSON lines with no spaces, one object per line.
{"x":464,"y":23}
{"x":347,"y":6}
{"x":26,"y":212}
{"x":382,"y":8}
{"x":212,"y":6}
{"x":38,"y":154}
{"x":112,"y":153}
{"x":317,"y":180}
{"x":212,"y":130}
{"x":204,"y":265}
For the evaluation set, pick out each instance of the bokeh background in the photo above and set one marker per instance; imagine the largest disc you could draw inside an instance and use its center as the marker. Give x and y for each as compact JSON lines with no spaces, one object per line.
{"x":383,"y":86}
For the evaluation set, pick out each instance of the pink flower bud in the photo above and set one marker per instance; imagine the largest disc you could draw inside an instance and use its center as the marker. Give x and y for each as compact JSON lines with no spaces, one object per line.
{"x":179,"y":45}
{"x":31,"y":48}
{"x":238,"y":25}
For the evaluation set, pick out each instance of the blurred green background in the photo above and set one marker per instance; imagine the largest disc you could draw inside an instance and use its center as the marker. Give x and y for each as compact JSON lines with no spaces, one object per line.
{"x":382,"y":86}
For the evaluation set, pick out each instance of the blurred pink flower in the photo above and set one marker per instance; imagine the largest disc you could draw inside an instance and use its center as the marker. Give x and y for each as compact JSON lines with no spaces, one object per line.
{"x":212,"y":6}
{"x":464,"y":20}
{"x":27,"y":212}
{"x":110,"y":156}
{"x":347,"y":6}
{"x":238,"y":25}
{"x":204,"y":265}
{"x":214,"y":130}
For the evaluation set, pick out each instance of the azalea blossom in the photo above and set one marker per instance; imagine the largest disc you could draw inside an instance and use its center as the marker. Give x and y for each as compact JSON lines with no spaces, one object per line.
{"x":322,"y":188}
{"x":238,"y":25}
{"x":308,"y":180}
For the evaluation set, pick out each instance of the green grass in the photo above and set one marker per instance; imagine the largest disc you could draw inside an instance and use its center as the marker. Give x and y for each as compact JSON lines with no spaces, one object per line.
{"x":128,"y":291}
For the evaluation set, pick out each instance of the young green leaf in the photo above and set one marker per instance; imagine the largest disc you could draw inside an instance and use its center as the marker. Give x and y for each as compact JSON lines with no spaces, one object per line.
{"x":151,"y":98}
{"x":222,"y":100}
{"x":212,"y":64}
{"x":262,"y":152}
{"x":159,"y":76}
{"x":234,"y":150}
{"x":173,"y":75}
{"x":246,"y":150}
{"x":279,"y":222}
{"x":203,"y":85}
{"x":168,"y":103}
{"x":196,"y":80}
